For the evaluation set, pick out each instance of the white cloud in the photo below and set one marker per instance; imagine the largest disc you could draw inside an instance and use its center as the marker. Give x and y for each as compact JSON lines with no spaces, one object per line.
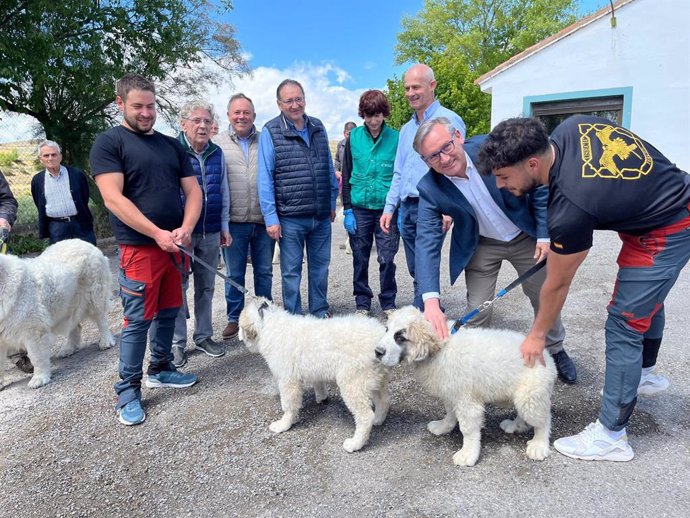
{"x":328,"y":97}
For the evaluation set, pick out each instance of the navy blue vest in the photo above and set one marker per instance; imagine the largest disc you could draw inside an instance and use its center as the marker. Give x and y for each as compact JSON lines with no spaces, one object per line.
{"x":302,"y":175}
{"x":210,"y":183}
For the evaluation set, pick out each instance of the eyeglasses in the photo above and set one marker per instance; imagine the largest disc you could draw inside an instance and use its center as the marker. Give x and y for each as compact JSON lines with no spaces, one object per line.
{"x":446,"y":149}
{"x":198,"y":122}
{"x":294,"y":100}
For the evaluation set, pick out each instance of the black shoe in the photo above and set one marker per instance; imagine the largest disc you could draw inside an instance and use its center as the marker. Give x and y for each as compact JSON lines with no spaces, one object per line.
{"x":565,"y":367}
{"x":23,"y":363}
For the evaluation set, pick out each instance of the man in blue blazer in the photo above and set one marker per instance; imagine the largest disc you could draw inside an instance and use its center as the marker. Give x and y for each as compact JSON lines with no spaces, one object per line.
{"x":490,"y":225}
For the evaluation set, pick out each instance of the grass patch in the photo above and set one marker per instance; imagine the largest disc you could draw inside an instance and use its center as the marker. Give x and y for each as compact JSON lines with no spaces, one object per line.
{"x":8,"y":157}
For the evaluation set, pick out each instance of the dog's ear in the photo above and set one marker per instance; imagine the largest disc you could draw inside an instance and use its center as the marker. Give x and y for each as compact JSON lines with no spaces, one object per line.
{"x":423,"y":340}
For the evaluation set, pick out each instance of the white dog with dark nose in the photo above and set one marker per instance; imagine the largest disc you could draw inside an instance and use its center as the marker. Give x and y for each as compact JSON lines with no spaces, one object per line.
{"x":473,"y":367}
{"x":305,"y":351}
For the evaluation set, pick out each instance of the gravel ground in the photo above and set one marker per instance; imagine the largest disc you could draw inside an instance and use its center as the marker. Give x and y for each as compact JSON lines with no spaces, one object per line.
{"x":207,"y":450}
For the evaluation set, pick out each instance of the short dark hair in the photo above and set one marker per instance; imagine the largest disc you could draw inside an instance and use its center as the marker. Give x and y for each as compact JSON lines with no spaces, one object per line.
{"x":130,"y":82}
{"x":349,"y":125}
{"x":373,"y":102}
{"x":286,"y":82}
{"x":511,"y":142}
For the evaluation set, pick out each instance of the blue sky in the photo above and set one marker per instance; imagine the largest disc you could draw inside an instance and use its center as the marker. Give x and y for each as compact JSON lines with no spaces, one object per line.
{"x":337,"y":49}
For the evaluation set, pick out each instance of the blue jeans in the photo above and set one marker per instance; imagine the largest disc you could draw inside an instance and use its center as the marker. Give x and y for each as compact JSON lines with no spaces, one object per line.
{"x":206,"y":248}
{"x":316,"y":235}
{"x":387,"y":245}
{"x":408,"y":232}
{"x":248,"y":237}
{"x":649,"y":266}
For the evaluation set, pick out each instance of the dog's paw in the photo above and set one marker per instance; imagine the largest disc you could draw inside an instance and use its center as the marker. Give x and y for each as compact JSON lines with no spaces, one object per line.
{"x":352,"y":445}
{"x":465,"y":457}
{"x":537,"y":450}
{"x":279,"y":426}
{"x":38,"y":380}
{"x":439,"y":427}
{"x":516,"y":425}
{"x":66,"y":351}
{"x":107,"y":343}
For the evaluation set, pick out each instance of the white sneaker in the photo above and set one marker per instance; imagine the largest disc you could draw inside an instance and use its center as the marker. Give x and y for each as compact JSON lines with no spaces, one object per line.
{"x":651,"y":384}
{"x":593,"y":443}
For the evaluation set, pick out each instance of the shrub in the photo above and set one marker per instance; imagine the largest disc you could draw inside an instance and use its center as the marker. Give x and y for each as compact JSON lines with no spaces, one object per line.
{"x":8,"y":157}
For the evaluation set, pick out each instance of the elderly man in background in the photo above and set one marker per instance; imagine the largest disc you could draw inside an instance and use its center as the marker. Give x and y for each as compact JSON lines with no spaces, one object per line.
{"x":61,"y":195}
{"x":240,"y":145}
{"x":210,"y":233}
{"x":409,"y":167}
{"x":297,"y":192}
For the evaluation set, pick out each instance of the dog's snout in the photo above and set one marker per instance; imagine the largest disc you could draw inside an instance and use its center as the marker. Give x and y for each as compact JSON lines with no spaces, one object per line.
{"x":379,"y":352}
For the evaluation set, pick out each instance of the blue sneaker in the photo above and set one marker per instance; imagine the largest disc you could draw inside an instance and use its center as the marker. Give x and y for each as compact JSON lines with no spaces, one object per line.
{"x":132,"y":413}
{"x":175,"y":379}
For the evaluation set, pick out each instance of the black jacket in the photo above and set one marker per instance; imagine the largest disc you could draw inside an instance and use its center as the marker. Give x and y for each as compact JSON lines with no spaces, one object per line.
{"x":78,"y":186}
{"x":8,"y":203}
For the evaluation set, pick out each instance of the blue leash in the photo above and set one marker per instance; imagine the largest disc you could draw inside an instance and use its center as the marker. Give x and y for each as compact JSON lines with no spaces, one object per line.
{"x":485,"y":305}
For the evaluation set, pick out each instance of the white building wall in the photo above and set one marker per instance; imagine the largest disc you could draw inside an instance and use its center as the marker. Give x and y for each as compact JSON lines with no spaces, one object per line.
{"x":649,"y":50}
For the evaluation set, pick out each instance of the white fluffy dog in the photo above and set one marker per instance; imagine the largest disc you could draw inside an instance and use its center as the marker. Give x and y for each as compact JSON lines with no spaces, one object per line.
{"x":306,"y":351}
{"x":473,"y":367}
{"x":52,"y":294}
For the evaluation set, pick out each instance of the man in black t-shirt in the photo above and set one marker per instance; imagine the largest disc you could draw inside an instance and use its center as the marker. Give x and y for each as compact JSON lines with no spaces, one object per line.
{"x":139,"y":173}
{"x":602,"y":176}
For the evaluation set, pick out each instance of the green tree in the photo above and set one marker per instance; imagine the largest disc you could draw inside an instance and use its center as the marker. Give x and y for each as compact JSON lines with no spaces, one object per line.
{"x":463,"y":39}
{"x":59,"y":60}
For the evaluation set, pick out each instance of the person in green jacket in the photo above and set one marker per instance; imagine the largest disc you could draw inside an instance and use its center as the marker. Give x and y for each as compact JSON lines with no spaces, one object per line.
{"x":367,"y":172}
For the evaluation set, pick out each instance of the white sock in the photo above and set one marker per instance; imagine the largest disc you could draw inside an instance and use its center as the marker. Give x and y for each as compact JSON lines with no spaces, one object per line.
{"x":613,"y":434}
{"x":647,"y":370}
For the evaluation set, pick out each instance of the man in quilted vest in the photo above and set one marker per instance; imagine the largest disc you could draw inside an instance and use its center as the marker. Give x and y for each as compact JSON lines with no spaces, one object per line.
{"x":210,"y":233}
{"x":297,"y":192}
{"x":240,"y":145}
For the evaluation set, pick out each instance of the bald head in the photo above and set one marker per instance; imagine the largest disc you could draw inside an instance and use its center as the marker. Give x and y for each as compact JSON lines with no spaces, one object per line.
{"x":419,"y":87}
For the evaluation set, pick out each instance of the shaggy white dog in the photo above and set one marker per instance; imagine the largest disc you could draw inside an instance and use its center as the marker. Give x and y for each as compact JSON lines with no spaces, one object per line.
{"x":473,"y":367}
{"x":304,"y":351}
{"x":48,"y":295}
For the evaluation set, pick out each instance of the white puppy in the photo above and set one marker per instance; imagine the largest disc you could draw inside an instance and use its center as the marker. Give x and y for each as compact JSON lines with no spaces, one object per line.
{"x":473,"y":367}
{"x":52,"y":294}
{"x":304,"y":351}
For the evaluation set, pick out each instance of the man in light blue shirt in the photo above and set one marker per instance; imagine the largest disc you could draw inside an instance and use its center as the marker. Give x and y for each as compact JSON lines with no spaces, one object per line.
{"x":297,"y":194}
{"x":409,"y":167}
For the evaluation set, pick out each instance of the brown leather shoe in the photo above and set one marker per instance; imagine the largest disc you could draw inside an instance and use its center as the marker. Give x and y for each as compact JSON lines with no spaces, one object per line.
{"x":230,"y":331}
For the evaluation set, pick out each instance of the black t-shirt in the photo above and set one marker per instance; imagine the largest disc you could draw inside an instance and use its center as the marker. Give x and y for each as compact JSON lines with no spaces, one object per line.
{"x":605,"y":177}
{"x":152,"y":166}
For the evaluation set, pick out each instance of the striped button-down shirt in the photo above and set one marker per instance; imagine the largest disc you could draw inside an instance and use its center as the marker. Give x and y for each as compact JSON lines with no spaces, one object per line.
{"x":59,"y":202}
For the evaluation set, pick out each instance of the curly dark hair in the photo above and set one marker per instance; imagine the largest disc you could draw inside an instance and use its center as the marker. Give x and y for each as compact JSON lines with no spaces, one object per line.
{"x":373,"y":102}
{"x":511,"y":142}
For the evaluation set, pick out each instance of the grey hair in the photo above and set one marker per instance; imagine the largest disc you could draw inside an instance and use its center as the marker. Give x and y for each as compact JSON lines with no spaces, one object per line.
{"x":240,"y":96}
{"x":426,"y":128}
{"x":48,"y":143}
{"x":196,"y":104}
